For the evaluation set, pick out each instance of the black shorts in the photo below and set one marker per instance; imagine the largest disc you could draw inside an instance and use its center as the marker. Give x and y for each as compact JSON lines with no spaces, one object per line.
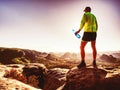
{"x":89,"y":36}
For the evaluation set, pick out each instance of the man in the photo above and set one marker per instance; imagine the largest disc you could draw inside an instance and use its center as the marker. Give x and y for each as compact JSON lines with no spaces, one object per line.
{"x":90,"y":25}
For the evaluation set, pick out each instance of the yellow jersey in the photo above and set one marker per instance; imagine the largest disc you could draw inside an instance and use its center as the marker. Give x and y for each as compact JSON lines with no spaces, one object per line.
{"x":89,"y":22}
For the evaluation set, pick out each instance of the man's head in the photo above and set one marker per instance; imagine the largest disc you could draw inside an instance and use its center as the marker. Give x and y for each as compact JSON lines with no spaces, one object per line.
{"x":87,"y":9}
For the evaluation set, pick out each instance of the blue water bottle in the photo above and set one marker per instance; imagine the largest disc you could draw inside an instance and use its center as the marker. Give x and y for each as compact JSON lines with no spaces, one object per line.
{"x":77,"y":35}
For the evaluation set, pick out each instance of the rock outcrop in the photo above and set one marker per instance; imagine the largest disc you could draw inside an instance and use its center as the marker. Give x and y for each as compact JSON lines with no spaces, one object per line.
{"x":55,"y":78}
{"x":30,"y":75}
{"x":84,"y":79}
{"x":9,"y":75}
{"x":35,"y":70}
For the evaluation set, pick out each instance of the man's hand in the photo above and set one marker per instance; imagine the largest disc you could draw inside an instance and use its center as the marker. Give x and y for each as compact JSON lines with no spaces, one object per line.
{"x":77,"y":32}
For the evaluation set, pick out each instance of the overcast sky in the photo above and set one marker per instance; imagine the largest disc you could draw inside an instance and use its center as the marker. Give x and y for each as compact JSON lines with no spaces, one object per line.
{"x":46,"y":25}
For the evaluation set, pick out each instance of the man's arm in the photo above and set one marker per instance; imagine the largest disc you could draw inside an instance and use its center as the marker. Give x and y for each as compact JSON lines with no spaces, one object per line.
{"x":96,"y":24}
{"x":83,"y":21}
{"x":81,"y":24}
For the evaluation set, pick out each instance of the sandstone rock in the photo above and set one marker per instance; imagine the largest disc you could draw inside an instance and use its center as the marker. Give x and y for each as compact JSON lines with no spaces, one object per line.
{"x":55,"y":78}
{"x":84,"y":79}
{"x":36,"y":71}
{"x":11,"y":83}
{"x":32,"y":73}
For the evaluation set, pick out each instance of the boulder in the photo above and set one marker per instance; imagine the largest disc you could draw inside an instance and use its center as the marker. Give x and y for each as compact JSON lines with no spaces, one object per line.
{"x":55,"y":78}
{"x":84,"y":79}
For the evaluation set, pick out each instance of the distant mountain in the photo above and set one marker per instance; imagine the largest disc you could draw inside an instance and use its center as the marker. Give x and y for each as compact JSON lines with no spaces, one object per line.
{"x":70,"y":56}
{"x":117,"y":54}
{"x":23,"y":56}
{"x":107,"y":58}
{"x":50,"y":60}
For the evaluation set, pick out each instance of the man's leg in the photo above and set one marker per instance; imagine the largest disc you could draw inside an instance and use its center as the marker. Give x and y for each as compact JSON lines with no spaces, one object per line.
{"x":93,"y":45}
{"x":82,"y":49}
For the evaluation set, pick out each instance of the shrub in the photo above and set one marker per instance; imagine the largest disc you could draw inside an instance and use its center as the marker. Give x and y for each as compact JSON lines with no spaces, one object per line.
{"x":20,"y":60}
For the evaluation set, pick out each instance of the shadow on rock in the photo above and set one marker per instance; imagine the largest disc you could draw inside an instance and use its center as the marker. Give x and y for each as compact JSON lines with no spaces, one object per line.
{"x":35,"y":71}
{"x":111,"y":83}
{"x":55,"y":78}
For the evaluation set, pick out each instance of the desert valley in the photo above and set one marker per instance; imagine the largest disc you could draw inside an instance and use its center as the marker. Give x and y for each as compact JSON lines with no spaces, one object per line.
{"x":24,"y":69}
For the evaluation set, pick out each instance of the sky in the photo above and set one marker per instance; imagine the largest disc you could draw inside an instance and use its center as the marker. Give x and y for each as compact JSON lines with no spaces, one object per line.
{"x":46,"y":25}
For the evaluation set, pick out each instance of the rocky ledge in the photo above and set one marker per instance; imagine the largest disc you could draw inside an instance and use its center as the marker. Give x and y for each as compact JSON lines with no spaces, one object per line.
{"x":35,"y":76}
{"x":91,"y":79}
